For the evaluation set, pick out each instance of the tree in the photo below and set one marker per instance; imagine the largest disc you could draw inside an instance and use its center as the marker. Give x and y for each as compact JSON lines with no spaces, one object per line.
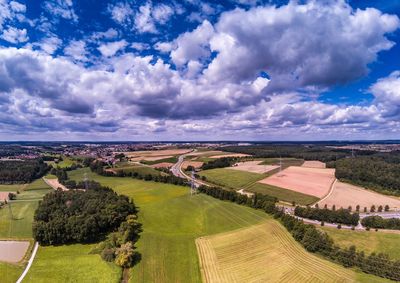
{"x":358,"y":208}
{"x":339,"y":226}
{"x":386,"y":207}
{"x":350,"y":208}
{"x":333,"y":207}
{"x":125,"y":255}
{"x":380,"y":208}
{"x":365,"y":209}
{"x":372,"y":208}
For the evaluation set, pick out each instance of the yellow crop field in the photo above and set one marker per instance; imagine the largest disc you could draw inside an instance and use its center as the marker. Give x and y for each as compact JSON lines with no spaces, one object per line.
{"x":264,"y":253}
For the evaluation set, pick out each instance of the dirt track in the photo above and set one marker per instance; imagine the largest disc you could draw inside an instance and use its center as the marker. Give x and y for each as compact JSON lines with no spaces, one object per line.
{"x":55,"y":184}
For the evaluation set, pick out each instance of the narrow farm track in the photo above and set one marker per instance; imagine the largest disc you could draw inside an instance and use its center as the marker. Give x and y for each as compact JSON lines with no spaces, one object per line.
{"x":267,"y":254}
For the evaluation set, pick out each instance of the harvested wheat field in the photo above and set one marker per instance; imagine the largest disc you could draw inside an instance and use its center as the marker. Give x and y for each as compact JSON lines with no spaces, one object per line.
{"x":230,"y":155}
{"x":195,"y":164}
{"x":253,"y":166}
{"x":206,"y":153}
{"x":263,"y":253}
{"x":345,"y":195}
{"x":164,"y":152}
{"x":149,"y":158}
{"x":314,"y":164}
{"x":310,"y":181}
{"x":162,"y":165}
{"x":13,"y":251}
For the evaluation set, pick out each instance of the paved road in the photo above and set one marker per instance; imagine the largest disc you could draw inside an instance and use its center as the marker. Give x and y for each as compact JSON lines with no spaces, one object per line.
{"x":29,"y":263}
{"x":176,"y":169}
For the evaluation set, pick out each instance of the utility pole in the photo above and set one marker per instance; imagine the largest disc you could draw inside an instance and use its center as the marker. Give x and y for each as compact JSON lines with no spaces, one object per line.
{"x":10,"y":210}
{"x":85,"y":180}
{"x":193,"y":189}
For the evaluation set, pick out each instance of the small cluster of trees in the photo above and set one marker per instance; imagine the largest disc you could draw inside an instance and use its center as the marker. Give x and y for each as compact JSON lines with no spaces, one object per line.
{"x":16,"y":172}
{"x":119,"y":246}
{"x":382,"y":223}
{"x":98,"y":167}
{"x":220,"y":163}
{"x":343,"y":216}
{"x":259,"y":201}
{"x":314,"y":240}
{"x":80,"y":216}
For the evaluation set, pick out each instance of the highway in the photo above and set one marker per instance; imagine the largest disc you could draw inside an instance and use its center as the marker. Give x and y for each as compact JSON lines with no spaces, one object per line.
{"x":176,"y":169}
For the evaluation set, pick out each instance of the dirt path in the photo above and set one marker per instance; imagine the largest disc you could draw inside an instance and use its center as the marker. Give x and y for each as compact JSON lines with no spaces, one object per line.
{"x":55,"y":184}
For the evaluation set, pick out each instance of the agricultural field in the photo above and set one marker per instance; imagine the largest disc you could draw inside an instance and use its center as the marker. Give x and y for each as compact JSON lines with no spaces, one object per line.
{"x":367,"y":241}
{"x":345,"y":195}
{"x":310,"y":181}
{"x":172,"y":220}
{"x":141,"y":170}
{"x":286,"y":162}
{"x":282,"y":194}
{"x":173,"y":159}
{"x":155,"y":155}
{"x":254,"y":167}
{"x":229,"y":178}
{"x":16,"y":223}
{"x":314,"y":164}
{"x":268,"y":253}
{"x":195,"y":164}
{"x":71,"y":263}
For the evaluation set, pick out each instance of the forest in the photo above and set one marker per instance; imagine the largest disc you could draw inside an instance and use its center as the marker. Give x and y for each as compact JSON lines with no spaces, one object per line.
{"x":378,"y":172}
{"x":220,"y":163}
{"x":80,"y":216}
{"x":306,"y":152}
{"x":22,"y":171}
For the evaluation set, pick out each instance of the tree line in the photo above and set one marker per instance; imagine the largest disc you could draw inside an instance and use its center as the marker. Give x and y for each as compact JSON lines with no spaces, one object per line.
{"x":220,"y":163}
{"x":98,"y":167}
{"x":17,"y":172}
{"x":381,"y":223}
{"x":342,"y":216}
{"x":312,"y":239}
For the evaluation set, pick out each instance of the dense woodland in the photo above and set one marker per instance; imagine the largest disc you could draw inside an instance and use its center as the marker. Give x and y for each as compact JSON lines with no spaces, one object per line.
{"x":379,"y":172}
{"x":220,"y":163}
{"x":80,"y":216}
{"x":16,"y":172}
{"x":342,"y":216}
{"x":312,"y":239}
{"x":311,"y":152}
{"x":379,"y":222}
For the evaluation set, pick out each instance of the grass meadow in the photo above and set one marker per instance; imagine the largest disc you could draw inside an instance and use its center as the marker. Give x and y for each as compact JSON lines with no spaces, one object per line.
{"x":282,"y":194}
{"x":229,"y":178}
{"x":367,"y":241}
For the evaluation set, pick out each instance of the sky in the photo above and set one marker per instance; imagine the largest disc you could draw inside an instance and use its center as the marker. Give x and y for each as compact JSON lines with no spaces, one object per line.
{"x":187,"y":70}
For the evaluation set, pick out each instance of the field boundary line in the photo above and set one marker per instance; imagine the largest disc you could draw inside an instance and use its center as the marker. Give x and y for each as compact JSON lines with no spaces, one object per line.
{"x":35,"y":249}
{"x":329,"y":193}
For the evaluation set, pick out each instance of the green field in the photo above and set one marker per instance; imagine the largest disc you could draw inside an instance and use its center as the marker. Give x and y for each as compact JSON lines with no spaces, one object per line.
{"x":229,"y":178}
{"x":9,"y":273}
{"x":172,"y":220}
{"x":286,"y":162}
{"x":20,"y":225}
{"x":367,"y":241}
{"x":142,"y":170}
{"x":66,"y":162}
{"x":282,"y":194}
{"x":22,"y":210}
{"x":71,"y":263}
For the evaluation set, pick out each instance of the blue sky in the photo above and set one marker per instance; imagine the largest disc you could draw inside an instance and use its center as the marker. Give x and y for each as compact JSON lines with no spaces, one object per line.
{"x":199,"y":70}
